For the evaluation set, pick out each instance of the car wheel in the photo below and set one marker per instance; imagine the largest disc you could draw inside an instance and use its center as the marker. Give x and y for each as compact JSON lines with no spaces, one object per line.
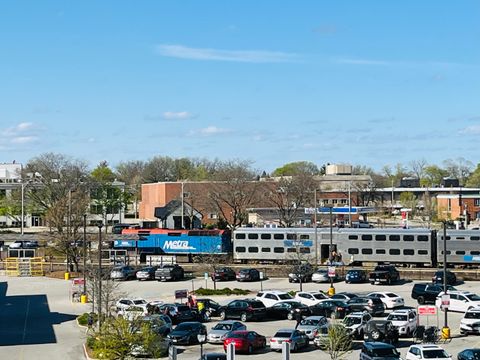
{"x":223,"y":315}
{"x":243,"y":317}
{"x":264,"y":344}
{"x":375,"y":335}
{"x":421,"y":300}
{"x":372,"y":282}
{"x":290,"y":316}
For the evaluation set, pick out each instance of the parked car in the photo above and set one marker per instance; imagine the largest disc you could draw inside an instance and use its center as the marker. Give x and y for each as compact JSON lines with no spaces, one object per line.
{"x":311,"y":325}
{"x":344,"y":296}
{"x":361,"y":224}
{"x":221,"y":331}
{"x":437,"y":278}
{"x":384,"y":274}
{"x":356,"y":323}
{"x":169,"y":272}
{"x":430,"y":352}
{"x":381,"y":330}
{"x":123,"y":273}
{"x":373,"y":306}
{"x":146,"y":273}
{"x":319,"y":339}
{"x":459,"y":300}
{"x":18,"y":244}
{"x":378,"y":351}
{"x":301,"y":273}
{"x":310,"y":298}
{"x":125,"y":303}
{"x":404,"y":320}
{"x":223,"y":274}
{"x":286,"y":310}
{"x":296,"y":338}
{"x":470,"y":324}
{"x":321,"y":276}
{"x":178,"y":312}
{"x":212,"y":308}
{"x":427,"y":292}
{"x":245,"y":341}
{"x":132,"y":313}
{"x":271,"y":297}
{"x":245,"y":310}
{"x":331,"y":308}
{"x":248,"y":275}
{"x":161,"y":324}
{"x":356,"y":276}
{"x":390,"y":300}
{"x":469,"y":354}
{"x":186,"y":333}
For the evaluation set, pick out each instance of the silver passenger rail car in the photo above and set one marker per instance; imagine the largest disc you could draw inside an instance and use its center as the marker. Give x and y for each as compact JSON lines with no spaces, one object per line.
{"x":463,"y":246}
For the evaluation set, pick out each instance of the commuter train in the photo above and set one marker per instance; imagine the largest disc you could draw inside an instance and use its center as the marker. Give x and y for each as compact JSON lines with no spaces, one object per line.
{"x":418,"y":247}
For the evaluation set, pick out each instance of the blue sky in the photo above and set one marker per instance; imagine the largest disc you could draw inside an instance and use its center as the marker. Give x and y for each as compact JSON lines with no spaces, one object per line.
{"x":361,"y":82}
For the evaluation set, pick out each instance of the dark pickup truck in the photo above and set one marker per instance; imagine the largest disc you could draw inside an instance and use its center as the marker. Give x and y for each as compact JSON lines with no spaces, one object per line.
{"x":169,"y":272}
{"x":384,"y":274}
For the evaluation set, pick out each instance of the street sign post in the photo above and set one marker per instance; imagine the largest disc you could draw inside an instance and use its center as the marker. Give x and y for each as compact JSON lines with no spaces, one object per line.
{"x":331,"y":271}
{"x":427,"y":310}
{"x":445,"y":301}
{"x":181,"y":294}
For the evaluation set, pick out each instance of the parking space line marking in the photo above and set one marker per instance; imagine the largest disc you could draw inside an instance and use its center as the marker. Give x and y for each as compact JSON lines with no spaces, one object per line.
{"x":25,"y":323}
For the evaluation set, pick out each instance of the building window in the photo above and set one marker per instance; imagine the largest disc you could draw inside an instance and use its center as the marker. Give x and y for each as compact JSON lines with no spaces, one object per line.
{"x":334,"y":201}
{"x":477,"y":202}
{"x":213,"y":216}
{"x":343,"y":201}
{"x":265,"y":236}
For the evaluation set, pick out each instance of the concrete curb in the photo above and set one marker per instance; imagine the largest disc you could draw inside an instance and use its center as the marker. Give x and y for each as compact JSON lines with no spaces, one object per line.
{"x":85,"y":352}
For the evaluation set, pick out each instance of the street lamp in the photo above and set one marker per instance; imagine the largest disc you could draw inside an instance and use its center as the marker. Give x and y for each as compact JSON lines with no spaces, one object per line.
{"x":99,"y":295}
{"x":84,"y":257}
{"x":446,"y":329}
{"x":315,"y":225}
{"x":331,"y":291}
{"x":201,"y":337}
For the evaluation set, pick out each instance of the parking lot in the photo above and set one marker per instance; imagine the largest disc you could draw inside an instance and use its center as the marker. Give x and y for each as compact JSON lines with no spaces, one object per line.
{"x":37,"y":319}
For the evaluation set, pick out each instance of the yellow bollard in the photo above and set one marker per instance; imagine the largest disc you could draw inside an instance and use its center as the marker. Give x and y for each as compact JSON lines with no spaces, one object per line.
{"x":446,"y":333}
{"x":331,"y":291}
{"x":83,"y":299}
{"x":67,"y":276}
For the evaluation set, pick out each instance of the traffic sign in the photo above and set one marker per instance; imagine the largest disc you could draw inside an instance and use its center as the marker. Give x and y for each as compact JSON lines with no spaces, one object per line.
{"x":181,"y":294}
{"x":331,"y":271}
{"x":445,"y":301}
{"x":427,"y":310}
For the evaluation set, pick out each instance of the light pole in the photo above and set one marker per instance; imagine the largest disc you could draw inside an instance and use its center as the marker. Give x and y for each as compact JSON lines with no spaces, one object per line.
{"x":201,"y":337}
{"x":99,"y":295}
{"x":331,"y":291}
{"x":446,"y":329}
{"x":315,"y":225}
{"x":84,"y":257}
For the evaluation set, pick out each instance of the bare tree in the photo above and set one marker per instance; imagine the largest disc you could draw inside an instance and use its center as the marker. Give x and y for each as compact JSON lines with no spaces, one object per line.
{"x":459,"y":168}
{"x":418,"y":168}
{"x":337,"y":343}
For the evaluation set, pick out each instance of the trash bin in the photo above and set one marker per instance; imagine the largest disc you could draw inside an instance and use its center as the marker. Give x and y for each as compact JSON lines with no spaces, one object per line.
{"x":83,"y":299}
{"x":67,"y":276}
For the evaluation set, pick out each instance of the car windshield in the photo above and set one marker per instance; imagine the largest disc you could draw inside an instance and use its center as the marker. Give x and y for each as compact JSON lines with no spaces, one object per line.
{"x":472,"y":315}
{"x":244,"y":271}
{"x":238,"y":335}
{"x":321,"y":272}
{"x":183,"y":327}
{"x":435,"y":353}
{"x":476,"y":354}
{"x":319,"y":296}
{"x":384,"y":352}
{"x":392,"y":295}
{"x":183,"y":308}
{"x":283,"y":334}
{"x":339,"y":303}
{"x":397,"y":317}
{"x":220,"y":326}
{"x":473,"y":297}
{"x":285,"y":296}
{"x":139,"y":302}
{"x":349,"y":321}
{"x":312,"y":322}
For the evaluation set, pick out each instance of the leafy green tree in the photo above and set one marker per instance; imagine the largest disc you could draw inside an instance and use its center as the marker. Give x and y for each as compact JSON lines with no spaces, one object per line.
{"x":474,"y":178}
{"x":296,"y":168}
{"x":433,"y":175}
{"x":408,"y":200}
{"x":337,"y":343}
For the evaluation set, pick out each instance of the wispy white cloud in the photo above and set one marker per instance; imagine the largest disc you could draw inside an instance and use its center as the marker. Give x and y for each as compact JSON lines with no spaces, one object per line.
{"x":179,"y":115}
{"x":209,"y":131}
{"x":353,"y":61}
{"x":23,"y":139}
{"x":19,"y":134}
{"x":470,"y":130}
{"x":17,"y":129}
{"x":248,"y":56}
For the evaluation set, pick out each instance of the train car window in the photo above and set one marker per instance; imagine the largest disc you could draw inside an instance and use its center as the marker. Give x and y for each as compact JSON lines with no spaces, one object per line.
{"x":174,"y":234}
{"x":278,"y":236}
{"x":422,"y":238}
{"x":291,"y":236}
{"x":460,"y":252}
{"x":475,"y":238}
{"x":278,"y":250}
{"x":240,"y":249}
{"x":408,"y":238}
{"x":252,"y":236}
{"x":352,"y":237}
{"x":394,"y":237}
{"x":441,"y":237}
{"x":422,"y":252}
{"x":292,"y":250}
{"x":380,"y":251}
{"x":460,"y":238}
{"x":352,"y":251}
{"x":239,"y":236}
{"x":366,"y":237}
{"x":408,"y":252}
{"x":474,"y":252}
{"x":265,"y":236}
{"x":305,"y":250}
{"x":265,"y":249}
{"x":253,"y":249}
{"x":394,"y":251}
{"x":380,"y":237}
{"x":448,"y":252}
{"x":304,"y":237}
{"x":367,"y":251}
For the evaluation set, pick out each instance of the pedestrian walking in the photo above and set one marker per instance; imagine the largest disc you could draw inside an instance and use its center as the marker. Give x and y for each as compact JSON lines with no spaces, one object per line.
{"x":89,"y":323}
{"x":298,"y":318}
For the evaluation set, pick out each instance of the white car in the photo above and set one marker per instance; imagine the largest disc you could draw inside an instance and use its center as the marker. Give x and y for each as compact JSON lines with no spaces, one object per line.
{"x":459,"y":301}
{"x":430,"y":352}
{"x":271,"y":297}
{"x":356,"y":323}
{"x":132,"y":312}
{"x":470,"y":324}
{"x":310,"y":298}
{"x":390,"y":300}
{"x":404,"y":320}
{"x":125,"y":303}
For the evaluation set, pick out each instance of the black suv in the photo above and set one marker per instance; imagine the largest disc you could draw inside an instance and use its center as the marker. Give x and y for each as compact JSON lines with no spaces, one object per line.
{"x":427,"y":292}
{"x":301,"y":273}
{"x":177,"y":312}
{"x":248,"y":275}
{"x":169,"y":272}
{"x":437,"y":278}
{"x":246,"y":309}
{"x":374,"y":306}
{"x":223,"y":273}
{"x":378,"y":350}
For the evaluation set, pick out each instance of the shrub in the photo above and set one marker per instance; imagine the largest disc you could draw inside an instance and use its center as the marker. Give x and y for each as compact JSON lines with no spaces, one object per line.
{"x":225,"y":291}
{"x":83,"y":319}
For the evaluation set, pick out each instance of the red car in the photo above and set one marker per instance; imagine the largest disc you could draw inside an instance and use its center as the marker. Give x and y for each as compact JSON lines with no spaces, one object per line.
{"x":245,"y":341}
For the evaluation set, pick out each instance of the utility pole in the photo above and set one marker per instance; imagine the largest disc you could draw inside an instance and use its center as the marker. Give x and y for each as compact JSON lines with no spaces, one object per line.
{"x":446,"y":329}
{"x":99,"y":294}
{"x":84,"y":257}
{"x":315,"y":226}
